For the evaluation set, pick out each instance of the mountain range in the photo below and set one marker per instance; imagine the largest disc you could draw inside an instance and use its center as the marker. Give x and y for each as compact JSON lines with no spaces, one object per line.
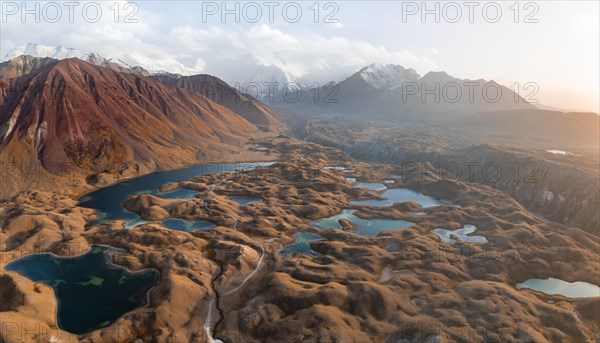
{"x":378,"y":90}
{"x":61,"y":52}
{"x":262,"y":75}
{"x":394,"y":92}
{"x":21,"y":57}
{"x":70,"y":116}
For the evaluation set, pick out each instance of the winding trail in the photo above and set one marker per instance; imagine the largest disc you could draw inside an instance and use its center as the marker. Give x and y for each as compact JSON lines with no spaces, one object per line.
{"x":209,"y":329}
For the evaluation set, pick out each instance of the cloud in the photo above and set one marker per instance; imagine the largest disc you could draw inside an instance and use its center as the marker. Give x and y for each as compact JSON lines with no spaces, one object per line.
{"x":312,"y":55}
{"x":157,"y":44}
{"x":168,"y":36}
{"x":584,"y":24}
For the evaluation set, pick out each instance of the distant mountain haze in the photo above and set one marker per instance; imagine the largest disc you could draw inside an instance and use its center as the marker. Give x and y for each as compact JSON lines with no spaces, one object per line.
{"x":390,"y":91}
{"x":271,"y":84}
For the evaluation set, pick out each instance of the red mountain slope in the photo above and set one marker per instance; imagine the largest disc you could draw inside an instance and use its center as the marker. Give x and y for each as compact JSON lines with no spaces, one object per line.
{"x":219,"y":91}
{"x":96,"y":119}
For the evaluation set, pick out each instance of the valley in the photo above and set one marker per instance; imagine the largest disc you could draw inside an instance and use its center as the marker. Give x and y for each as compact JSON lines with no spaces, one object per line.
{"x":232,"y":282}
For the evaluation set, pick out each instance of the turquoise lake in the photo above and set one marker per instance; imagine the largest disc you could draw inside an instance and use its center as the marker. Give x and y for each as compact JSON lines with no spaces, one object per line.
{"x":243,"y":201}
{"x":364,"y":227}
{"x":398,"y":195}
{"x":552,"y":286}
{"x":187,"y":225}
{"x":302,"y":244}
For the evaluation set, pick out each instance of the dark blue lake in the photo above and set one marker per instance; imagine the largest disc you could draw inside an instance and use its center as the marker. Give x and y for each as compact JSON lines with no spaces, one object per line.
{"x":92,"y":292}
{"x":108,"y":201}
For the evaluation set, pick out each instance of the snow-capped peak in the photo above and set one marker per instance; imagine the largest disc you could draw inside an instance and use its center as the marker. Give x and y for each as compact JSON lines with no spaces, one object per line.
{"x":269,"y":74}
{"x":388,"y":76}
{"x":60,"y":53}
{"x":267,"y":83}
{"x":153,"y":65}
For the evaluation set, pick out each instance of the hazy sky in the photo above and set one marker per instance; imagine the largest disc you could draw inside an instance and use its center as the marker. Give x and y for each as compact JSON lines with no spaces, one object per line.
{"x":553,"y":44}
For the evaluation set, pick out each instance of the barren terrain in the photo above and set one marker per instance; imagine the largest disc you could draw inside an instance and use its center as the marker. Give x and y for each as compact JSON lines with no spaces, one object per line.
{"x":356,"y":290}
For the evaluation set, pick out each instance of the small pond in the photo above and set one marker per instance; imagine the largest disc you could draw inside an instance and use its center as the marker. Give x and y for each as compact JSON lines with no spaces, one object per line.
{"x":187,"y":225}
{"x":462,"y":235}
{"x":243,"y":201}
{"x":397,"y":195}
{"x":302,"y":244}
{"x":553,"y":286}
{"x":364,"y":227}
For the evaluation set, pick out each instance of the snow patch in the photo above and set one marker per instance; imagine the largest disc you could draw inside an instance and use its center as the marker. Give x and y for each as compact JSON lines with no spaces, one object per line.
{"x":8,"y":127}
{"x":153,"y":65}
{"x":40,"y":133}
{"x":560,"y":152}
{"x":59,"y":53}
{"x":389,"y":76}
{"x":547,"y":196}
{"x":269,"y":75}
